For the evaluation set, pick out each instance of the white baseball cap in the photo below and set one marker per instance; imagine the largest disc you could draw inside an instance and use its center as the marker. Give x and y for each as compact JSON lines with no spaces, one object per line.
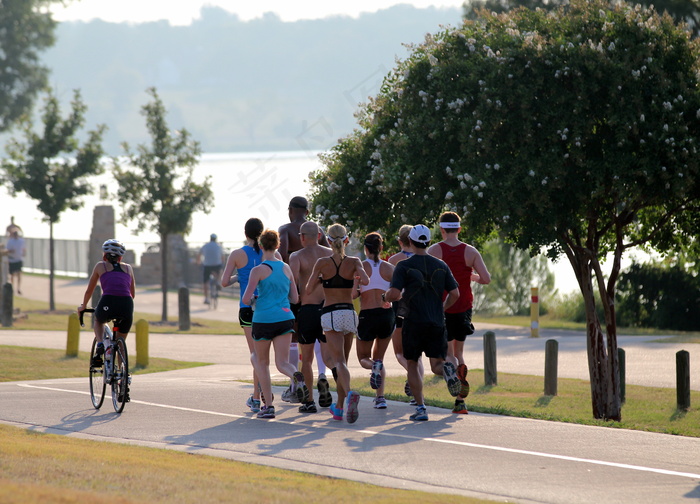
{"x":420,"y":234}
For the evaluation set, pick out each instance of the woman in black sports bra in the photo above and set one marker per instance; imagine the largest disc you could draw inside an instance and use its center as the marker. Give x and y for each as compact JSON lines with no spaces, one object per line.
{"x":337,"y":274}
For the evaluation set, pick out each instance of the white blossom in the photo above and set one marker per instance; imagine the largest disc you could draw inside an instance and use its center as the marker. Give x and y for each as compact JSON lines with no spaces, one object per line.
{"x":531,"y":173}
{"x":449,"y":195}
{"x":480,"y":195}
{"x":482,"y":184}
{"x":351,"y":180}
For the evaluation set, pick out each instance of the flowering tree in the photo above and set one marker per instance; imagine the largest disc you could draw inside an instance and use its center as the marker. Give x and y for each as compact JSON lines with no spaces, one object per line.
{"x":574,"y":131}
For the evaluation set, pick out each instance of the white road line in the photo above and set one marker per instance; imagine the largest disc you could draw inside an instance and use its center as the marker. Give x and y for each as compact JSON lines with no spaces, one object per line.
{"x":405,"y":436}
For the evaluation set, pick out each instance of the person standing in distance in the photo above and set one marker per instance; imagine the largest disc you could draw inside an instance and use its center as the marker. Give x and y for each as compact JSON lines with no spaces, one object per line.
{"x":309,"y":326}
{"x":211,"y":258}
{"x":467,"y":266}
{"x":16,"y":250}
{"x":423,"y":280}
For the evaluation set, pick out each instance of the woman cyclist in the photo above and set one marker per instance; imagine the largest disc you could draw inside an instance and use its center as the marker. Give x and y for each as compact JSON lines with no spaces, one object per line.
{"x":118,"y":289}
{"x":337,"y":274}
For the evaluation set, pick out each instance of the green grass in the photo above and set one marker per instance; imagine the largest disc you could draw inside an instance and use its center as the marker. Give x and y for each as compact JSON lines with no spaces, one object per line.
{"x":34,"y":315}
{"x":38,"y":468}
{"x":22,"y":364}
{"x":548,"y":322}
{"x":646,"y":408}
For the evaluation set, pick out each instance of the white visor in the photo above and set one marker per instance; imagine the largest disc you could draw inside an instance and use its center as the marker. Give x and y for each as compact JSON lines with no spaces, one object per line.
{"x":450,"y":225}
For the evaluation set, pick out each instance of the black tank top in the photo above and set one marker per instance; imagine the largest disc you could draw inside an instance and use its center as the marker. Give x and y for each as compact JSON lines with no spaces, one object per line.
{"x":337,"y":281}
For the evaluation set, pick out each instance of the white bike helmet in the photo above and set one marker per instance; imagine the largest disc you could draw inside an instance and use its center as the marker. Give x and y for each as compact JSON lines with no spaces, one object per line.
{"x":113,"y":246}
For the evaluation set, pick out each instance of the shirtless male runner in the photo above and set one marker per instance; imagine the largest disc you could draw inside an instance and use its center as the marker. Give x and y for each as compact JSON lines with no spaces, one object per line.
{"x":309,"y":328}
{"x":290,"y":242}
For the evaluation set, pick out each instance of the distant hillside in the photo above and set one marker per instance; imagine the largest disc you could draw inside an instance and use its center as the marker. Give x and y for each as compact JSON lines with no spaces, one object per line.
{"x":237,"y":86}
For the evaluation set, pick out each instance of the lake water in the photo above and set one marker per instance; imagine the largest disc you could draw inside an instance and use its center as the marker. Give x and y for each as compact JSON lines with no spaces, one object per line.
{"x":245,"y":185}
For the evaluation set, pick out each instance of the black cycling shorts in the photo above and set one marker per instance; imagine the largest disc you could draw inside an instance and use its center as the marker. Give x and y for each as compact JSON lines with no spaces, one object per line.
{"x":419,"y":338}
{"x":309,"y":324}
{"x":117,"y":308}
{"x":459,"y":325}
{"x":270,"y":330}
{"x":245,"y":316}
{"x":375,"y":323}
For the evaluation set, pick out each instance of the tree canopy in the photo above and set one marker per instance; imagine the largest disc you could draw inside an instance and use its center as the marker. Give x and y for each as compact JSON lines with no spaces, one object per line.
{"x":157,"y":189}
{"x":25,"y":31}
{"x":573,"y":131}
{"x":52,"y":167}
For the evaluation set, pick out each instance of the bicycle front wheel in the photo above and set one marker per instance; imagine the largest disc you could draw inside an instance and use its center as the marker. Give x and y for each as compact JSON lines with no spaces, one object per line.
{"x":120,"y":375}
{"x":97,"y":382}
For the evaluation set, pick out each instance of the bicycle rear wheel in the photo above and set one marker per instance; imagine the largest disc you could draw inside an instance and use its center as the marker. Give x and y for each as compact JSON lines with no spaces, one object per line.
{"x":120,"y":375}
{"x":97,"y":382}
{"x":213,"y":293}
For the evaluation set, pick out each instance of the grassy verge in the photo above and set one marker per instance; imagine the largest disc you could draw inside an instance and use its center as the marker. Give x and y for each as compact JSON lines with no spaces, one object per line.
{"x":547,"y":322}
{"x":21,"y":364}
{"x":44,"y":468}
{"x":35,"y":316}
{"x":646,"y":408}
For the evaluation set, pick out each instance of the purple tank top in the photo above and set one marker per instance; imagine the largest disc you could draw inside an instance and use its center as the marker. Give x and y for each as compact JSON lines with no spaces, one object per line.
{"x":116,"y":283}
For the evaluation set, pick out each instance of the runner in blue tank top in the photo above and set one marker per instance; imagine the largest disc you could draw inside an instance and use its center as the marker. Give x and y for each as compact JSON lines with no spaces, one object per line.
{"x":243,"y":260}
{"x":273,"y":320}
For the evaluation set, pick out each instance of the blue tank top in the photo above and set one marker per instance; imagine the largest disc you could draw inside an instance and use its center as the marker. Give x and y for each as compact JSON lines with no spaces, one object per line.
{"x":273,"y":296}
{"x":254,"y":259}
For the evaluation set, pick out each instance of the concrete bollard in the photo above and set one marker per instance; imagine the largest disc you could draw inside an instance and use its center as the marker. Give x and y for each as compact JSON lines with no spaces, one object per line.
{"x":7,"y":300}
{"x":551,"y":366}
{"x":183,"y":303}
{"x":490,"y":371}
{"x":683,"y":380}
{"x":142,"y":343}
{"x":622,"y":363}
{"x":534,"y":312}
{"x":73,"y":339}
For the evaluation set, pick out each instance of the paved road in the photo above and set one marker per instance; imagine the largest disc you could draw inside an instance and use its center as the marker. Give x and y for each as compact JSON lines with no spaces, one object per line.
{"x":201,"y":411}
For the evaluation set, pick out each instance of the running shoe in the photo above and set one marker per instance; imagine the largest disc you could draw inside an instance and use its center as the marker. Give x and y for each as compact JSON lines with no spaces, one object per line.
{"x":253,"y":404}
{"x":351,"y":408}
{"x":375,"y":378}
{"x":324,"y":394}
{"x":97,"y":359}
{"x":301,"y":392}
{"x":267,"y":412}
{"x":289,"y":396}
{"x":462,"y":371}
{"x":407,"y":389}
{"x":460,"y":408}
{"x":449,"y":373}
{"x":413,"y":402}
{"x":379,"y":402}
{"x":336,"y":412}
{"x":309,"y":407}
{"x":421,"y":415}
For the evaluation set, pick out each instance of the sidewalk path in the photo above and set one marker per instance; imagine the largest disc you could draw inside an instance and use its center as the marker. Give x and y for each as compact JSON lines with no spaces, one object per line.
{"x":648,"y":363}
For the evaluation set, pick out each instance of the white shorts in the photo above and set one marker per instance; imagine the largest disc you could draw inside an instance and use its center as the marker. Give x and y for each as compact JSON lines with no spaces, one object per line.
{"x":340,"y":318}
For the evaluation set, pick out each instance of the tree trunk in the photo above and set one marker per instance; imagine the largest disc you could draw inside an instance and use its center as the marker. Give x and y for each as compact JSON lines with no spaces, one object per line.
{"x":164,"y":274}
{"x":603,"y":364}
{"x":52,"y":301}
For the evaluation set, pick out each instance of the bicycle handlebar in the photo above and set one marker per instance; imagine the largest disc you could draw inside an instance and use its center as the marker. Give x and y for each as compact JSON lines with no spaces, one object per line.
{"x":88,"y":310}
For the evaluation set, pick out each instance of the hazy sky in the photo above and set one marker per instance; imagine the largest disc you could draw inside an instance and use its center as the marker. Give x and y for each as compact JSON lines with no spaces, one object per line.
{"x":182,"y":12}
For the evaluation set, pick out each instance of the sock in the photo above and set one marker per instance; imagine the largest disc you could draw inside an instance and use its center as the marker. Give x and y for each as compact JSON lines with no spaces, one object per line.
{"x":319,"y":358}
{"x":294,"y":355}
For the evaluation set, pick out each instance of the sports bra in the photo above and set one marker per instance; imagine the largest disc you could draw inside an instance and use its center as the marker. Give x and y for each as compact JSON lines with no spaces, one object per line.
{"x":375,"y":281}
{"x":336,"y":281}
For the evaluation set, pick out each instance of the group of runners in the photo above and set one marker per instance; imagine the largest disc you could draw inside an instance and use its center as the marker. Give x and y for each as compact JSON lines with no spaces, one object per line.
{"x":297,"y":290}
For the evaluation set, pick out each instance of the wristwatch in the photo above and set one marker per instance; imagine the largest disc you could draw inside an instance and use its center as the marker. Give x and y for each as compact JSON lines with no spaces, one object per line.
{"x":384,"y":297}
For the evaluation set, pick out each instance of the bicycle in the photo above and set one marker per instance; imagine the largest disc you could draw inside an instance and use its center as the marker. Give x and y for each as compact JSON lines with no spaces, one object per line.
{"x":114,"y":371}
{"x":213,"y":292}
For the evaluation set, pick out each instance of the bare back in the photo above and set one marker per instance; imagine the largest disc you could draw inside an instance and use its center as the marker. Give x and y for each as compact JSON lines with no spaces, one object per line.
{"x":302,"y":263}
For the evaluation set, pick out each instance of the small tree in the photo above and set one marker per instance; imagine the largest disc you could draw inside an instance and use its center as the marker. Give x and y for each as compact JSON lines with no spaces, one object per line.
{"x":575,"y":131}
{"x":52,"y":168}
{"x":152,"y":193}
